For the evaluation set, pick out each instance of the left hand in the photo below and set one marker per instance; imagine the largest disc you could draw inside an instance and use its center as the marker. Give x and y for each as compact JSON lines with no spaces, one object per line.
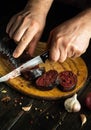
{"x":26,"y":28}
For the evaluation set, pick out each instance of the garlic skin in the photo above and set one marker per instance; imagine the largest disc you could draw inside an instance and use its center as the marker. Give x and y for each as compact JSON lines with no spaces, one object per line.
{"x":72,"y":104}
{"x":27,"y":108}
{"x":83,"y":119}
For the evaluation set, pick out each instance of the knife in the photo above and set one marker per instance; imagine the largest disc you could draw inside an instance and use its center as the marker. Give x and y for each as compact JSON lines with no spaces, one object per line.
{"x":31,"y":63}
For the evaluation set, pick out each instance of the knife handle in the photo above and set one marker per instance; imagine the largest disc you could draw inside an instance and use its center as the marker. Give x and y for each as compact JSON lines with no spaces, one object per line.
{"x":44,"y":56}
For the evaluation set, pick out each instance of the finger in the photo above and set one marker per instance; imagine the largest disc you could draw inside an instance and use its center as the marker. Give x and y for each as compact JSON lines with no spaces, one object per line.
{"x":32,"y":45}
{"x":20,"y":29}
{"x":76,"y":54}
{"x":70,"y":51}
{"x":53,"y":50}
{"x":25,"y":40}
{"x":13,"y":29}
{"x":63,"y":55}
{"x":12,"y":20}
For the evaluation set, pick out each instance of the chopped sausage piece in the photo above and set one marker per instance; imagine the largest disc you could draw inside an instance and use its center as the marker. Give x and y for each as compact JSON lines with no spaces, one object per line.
{"x":67,"y":80}
{"x":47,"y":80}
{"x":32,"y":73}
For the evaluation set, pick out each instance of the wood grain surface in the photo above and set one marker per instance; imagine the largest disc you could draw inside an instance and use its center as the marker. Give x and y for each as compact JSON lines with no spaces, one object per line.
{"x":77,"y":65}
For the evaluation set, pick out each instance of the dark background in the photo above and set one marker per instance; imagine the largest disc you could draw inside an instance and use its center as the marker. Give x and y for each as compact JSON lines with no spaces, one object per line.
{"x":58,"y":13}
{"x":44,"y":115}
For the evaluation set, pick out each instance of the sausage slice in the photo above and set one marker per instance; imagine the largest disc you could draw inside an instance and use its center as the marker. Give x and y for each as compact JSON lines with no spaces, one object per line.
{"x":67,"y":80}
{"x":47,"y":80}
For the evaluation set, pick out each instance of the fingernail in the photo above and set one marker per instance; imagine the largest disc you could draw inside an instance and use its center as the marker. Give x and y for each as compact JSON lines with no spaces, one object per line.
{"x":14,"y":54}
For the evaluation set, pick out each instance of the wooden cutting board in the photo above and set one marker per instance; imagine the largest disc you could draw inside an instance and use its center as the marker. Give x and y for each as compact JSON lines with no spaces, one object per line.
{"x":77,"y":65}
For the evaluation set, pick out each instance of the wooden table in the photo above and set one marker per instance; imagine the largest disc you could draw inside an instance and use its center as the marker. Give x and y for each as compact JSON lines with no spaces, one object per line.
{"x":43,"y":115}
{"x":47,"y":115}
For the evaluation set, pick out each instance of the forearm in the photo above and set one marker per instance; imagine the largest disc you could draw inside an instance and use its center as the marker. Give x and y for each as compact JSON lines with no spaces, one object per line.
{"x":42,"y":6}
{"x":85,"y":17}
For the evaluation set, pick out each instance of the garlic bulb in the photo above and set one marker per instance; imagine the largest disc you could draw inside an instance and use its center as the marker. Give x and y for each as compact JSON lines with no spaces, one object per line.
{"x":72,"y":104}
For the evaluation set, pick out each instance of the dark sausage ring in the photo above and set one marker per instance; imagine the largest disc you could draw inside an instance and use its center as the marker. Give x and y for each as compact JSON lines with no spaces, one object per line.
{"x":47,"y":80}
{"x":67,"y":80}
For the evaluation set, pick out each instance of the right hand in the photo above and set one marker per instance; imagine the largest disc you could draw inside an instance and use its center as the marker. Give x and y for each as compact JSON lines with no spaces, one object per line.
{"x":71,"y":38}
{"x":25,"y":28}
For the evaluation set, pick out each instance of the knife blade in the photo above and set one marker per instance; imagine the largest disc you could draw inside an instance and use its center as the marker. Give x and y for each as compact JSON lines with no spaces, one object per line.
{"x":31,"y":63}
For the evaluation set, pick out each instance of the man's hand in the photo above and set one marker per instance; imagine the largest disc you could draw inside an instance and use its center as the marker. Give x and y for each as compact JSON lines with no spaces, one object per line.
{"x":71,"y":38}
{"x":27,"y":26}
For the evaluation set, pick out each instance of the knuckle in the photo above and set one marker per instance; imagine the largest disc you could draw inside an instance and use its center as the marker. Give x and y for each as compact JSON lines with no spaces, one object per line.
{"x":26,"y":19}
{"x":35,"y":24}
{"x":54,"y":59}
{"x":57,"y":39}
{"x":77,"y":49}
{"x":79,"y":52}
{"x":19,"y":17}
{"x":23,"y":39}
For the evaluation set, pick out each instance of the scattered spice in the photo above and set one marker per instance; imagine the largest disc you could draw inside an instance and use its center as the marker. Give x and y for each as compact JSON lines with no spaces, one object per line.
{"x":47,"y":117}
{"x":6,"y":99}
{"x":40,"y":110}
{"x":43,"y":101}
{"x":27,"y":108}
{"x":20,"y":103}
{"x":36,"y":108}
{"x":15,"y":101}
{"x":22,"y":98}
{"x":83,"y":119}
{"x":31,"y":122}
{"x":15,"y":105}
{"x":47,"y":113}
{"x":52,"y":116}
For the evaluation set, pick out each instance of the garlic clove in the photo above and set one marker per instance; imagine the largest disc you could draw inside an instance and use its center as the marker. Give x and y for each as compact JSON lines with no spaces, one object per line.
{"x":76,"y":107}
{"x":83,"y":119}
{"x":27,"y":108}
{"x":72,"y":104}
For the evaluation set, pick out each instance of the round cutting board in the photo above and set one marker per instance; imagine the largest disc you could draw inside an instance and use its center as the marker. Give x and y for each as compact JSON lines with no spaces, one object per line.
{"x":77,"y":66}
